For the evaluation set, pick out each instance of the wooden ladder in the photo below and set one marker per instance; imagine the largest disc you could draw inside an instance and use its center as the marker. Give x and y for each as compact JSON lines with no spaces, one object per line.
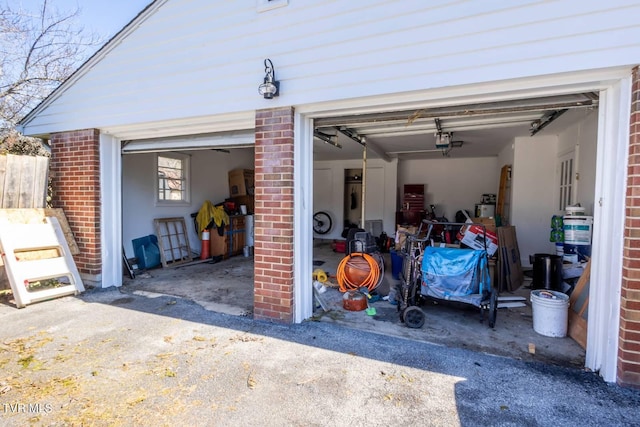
{"x":505,"y":177}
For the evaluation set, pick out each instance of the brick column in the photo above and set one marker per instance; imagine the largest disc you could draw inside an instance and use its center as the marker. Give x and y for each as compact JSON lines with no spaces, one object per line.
{"x":629,"y":340}
{"x":75,"y":174}
{"x":273,"y":226}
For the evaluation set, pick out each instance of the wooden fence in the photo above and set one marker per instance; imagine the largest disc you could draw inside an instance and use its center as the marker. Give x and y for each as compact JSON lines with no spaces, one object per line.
{"x":23,"y":185}
{"x":23,"y":181}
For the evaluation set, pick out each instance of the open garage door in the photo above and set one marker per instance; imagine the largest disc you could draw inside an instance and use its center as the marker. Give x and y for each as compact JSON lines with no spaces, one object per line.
{"x":456,"y":154}
{"x":220,"y":140}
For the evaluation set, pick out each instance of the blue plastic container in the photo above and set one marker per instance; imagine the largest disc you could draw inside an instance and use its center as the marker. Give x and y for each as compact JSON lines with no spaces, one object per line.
{"x":396,"y":264}
{"x":146,"y":251}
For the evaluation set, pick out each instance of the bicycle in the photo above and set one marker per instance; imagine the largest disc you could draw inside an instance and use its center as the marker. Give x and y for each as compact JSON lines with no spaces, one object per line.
{"x":322,"y":222}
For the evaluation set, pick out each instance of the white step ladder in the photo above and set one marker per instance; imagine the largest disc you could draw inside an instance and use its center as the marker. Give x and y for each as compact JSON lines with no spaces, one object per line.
{"x":17,"y":240}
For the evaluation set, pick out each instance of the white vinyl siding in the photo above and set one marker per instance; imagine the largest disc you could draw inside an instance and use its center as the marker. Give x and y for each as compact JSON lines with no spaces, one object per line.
{"x":198,"y":58}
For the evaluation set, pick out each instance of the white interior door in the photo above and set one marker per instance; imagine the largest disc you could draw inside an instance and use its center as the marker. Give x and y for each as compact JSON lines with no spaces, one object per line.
{"x":567,"y":183}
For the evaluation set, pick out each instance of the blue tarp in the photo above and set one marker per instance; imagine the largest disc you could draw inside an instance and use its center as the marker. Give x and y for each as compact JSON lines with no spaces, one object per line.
{"x":455,"y":274}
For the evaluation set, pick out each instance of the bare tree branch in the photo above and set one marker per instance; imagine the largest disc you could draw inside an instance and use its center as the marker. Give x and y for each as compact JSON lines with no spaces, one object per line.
{"x":38,"y":51}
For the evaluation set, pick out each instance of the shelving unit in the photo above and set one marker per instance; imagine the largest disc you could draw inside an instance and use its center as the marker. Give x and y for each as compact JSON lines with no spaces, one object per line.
{"x":412,"y":203}
{"x":232,"y":241}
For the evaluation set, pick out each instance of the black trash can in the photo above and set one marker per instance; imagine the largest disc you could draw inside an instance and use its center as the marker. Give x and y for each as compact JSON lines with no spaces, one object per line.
{"x":547,"y":272}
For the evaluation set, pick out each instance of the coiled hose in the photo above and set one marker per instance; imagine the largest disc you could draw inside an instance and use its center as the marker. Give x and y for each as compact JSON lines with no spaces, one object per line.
{"x":359,"y":270}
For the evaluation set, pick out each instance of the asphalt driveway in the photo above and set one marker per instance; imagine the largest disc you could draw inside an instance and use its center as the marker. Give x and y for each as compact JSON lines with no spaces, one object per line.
{"x":111,"y":358}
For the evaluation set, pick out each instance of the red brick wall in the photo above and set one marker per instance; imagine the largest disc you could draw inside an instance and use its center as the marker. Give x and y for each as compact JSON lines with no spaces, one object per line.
{"x":273,"y":221}
{"x":75,"y":173}
{"x":629,"y":341}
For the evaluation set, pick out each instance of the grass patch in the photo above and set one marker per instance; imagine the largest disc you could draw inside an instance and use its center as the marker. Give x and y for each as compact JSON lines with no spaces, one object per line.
{"x":26,"y":361}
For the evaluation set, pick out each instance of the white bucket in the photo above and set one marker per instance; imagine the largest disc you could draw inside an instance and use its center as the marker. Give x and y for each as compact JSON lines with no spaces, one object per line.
{"x":577,"y":229}
{"x":550,"y":312}
{"x":560,"y":249}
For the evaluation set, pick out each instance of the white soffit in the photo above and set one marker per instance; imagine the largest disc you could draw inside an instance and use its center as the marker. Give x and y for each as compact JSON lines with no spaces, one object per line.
{"x":236,"y":139}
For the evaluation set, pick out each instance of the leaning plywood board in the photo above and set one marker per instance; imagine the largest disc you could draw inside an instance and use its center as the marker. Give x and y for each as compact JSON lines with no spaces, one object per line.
{"x":36,"y":279}
{"x":510,"y":274}
{"x":579,"y":308}
{"x":34,"y":216}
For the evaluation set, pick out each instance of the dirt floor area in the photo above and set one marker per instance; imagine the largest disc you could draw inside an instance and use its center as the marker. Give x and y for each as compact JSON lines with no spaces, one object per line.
{"x":226,"y":287}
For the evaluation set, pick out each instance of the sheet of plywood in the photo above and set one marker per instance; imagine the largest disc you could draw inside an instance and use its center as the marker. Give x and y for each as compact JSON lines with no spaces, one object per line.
{"x":511,"y":304}
{"x":579,"y":308}
{"x":510,"y":274}
{"x":36,"y":216}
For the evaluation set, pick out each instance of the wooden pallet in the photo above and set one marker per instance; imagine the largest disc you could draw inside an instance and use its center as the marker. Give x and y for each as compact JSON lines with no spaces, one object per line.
{"x":38,"y":261}
{"x":173,"y":241}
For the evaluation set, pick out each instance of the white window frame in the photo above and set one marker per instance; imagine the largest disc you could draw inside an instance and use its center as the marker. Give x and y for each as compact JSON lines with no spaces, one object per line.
{"x":186,"y":200}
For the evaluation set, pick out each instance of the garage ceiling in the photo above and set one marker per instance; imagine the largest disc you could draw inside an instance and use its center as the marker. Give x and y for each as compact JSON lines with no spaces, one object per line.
{"x":477,"y":130}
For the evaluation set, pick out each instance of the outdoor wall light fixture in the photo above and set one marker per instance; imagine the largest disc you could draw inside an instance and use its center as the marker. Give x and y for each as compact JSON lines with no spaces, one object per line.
{"x":270,"y":87}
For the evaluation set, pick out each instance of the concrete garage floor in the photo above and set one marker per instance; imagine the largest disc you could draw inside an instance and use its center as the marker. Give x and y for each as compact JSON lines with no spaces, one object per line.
{"x":226,"y":287}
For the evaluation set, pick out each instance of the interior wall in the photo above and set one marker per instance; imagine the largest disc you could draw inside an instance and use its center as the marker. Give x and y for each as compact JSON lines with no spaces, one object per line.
{"x":209,"y":181}
{"x":533,"y":193}
{"x":381,"y":185}
{"x":582,"y":135}
{"x":451,"y":184}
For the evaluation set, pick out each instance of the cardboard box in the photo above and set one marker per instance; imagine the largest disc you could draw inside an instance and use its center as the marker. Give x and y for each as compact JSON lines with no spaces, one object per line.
{"x":474,"y":237}
{"x":401,"y":235}
{"x":241,"y":182}
{"x":217,"y":243}
{"x":445,"y":245}
{"x":488,"y":222}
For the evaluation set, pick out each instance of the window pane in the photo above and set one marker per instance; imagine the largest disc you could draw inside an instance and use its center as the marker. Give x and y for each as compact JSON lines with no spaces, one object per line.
{"x":171,"y":179}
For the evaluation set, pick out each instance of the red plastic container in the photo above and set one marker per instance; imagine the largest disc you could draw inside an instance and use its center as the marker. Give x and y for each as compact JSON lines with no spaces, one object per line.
{"x":340,"y":246}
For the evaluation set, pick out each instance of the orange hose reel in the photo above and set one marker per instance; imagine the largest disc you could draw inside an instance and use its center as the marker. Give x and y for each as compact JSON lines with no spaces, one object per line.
{"x":359,"y":270}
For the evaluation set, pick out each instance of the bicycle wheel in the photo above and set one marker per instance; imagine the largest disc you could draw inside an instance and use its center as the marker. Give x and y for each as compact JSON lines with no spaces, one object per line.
{"x":322,"y":223}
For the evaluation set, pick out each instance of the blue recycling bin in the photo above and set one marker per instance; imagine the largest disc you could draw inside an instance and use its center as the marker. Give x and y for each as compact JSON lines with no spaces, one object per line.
{"x":147,"y":251}
{"x":396,"y":264}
